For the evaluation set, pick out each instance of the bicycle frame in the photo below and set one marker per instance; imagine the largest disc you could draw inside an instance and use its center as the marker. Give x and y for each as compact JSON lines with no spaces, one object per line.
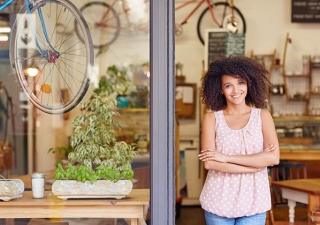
{"x":51,"y":57}
{"x":125,"y":10}
{"x":196,"y":8}
{"x":6,"y":4}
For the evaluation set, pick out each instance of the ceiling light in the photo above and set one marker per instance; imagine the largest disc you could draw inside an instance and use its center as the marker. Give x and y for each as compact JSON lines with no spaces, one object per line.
{"x":5,"y":29}
{"x":32,"y":70}
{"x":4,"y":38}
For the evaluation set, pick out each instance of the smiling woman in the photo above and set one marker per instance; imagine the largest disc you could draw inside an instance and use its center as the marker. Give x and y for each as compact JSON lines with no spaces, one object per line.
{"x":239,"y":141}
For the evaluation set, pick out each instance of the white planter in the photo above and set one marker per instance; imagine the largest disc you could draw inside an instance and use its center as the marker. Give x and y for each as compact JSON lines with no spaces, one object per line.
{"x":65,"y":189}
{"x":11,"y":189}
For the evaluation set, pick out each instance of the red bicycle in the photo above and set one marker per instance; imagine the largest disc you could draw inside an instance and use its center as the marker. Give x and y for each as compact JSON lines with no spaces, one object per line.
{"x":105,"y":25}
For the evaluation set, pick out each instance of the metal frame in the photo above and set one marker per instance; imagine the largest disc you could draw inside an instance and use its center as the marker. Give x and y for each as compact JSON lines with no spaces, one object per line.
{"x":162,"y":110}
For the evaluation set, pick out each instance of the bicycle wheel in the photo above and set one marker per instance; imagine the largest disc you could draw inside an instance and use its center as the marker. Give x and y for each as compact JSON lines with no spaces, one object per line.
{"x":65,"y":62}
{"x":103,"y":22}
{"x":222,"y":13}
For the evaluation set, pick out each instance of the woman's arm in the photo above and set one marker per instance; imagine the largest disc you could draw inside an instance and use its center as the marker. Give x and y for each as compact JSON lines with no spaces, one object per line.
{"x":270,"y":156}
{"x":229,"y":167}
{"x":208,"y":141}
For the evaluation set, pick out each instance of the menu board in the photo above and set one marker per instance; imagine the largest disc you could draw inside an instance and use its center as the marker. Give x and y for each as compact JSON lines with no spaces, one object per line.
{"x":305,"y":11}
{"x":220,"y":44}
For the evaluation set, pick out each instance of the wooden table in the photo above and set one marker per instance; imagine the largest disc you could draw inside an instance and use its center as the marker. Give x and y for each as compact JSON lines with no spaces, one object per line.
{"x":299,"y":154}
{"x":134,"y":207}
{"x":306,"y":191}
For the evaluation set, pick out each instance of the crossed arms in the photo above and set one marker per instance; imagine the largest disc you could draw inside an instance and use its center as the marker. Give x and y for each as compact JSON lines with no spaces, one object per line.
{"x":214,"y":160}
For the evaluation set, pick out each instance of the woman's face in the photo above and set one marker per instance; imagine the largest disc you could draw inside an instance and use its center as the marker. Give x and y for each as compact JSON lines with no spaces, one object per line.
{"x":234,"y":89}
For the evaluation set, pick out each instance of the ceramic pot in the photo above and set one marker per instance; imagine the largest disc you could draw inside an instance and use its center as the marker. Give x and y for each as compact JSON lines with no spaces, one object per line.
{"x":66,"y":189}
{"x":11,"y":189}
{"x":122,"y":101}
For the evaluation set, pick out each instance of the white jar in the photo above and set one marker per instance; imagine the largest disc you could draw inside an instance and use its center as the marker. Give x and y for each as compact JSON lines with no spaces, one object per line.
{"x":37,"y":180}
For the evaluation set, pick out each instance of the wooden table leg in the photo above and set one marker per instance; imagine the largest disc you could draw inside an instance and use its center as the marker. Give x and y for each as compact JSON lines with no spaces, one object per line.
{"x":134,"y":221}
{"x":314,"y":203}
{"x":10,"y":221}
{"x":292,"y":205}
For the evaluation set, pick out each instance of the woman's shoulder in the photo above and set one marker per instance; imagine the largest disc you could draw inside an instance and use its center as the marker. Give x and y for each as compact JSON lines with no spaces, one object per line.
{"x":265,"y":115}
{"x":210,"y":116}
{"x":262,"y":112}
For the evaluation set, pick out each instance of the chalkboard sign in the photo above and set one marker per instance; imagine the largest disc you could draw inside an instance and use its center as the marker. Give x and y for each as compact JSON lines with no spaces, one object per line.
{"x":305,"y":11}
{"x":220,"y":44}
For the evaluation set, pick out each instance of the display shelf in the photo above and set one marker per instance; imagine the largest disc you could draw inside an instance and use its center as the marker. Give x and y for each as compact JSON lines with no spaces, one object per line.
{"x":133,"y":110}
{"x":297,"y":118}
{"x":298,"y":75}
{"x":296,"y":92}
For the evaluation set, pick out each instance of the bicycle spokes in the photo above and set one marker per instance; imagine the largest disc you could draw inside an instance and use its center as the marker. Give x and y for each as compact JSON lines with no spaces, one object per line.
{"x":220,"y":15}
{"x":64,"y":61}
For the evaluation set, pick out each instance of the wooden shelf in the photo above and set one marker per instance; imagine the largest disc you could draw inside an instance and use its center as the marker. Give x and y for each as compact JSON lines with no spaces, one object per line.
{"x":297,"y":118}
{"x":315,"y":93}
{"x":298,"y":99}
{"x":298,"y":75}
{"x":315,"y":65}
{"x":132,"y":110}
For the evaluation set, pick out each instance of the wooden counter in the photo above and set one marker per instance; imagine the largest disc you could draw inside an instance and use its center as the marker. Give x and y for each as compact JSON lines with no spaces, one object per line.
{"x":301,"y":154}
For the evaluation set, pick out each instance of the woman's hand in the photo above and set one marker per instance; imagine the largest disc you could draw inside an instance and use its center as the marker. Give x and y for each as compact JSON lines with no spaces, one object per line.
{"x":212,"y":155}
{"x":269,"y":148}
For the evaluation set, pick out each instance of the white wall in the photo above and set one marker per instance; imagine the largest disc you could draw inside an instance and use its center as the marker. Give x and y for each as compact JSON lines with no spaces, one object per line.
{"x":267,"y":25}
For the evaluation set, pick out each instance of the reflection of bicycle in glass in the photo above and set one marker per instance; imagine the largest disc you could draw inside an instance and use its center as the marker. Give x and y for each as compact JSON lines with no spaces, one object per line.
{"x":51,"y":63}
{"x":105,"y":25}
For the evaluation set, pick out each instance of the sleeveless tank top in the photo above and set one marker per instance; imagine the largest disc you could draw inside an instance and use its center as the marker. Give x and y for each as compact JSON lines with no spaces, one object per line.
{"x":237,"y":195}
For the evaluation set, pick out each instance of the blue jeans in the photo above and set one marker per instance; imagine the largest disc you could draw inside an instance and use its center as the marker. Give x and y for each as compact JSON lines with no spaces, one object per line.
{"x":212,"y":219}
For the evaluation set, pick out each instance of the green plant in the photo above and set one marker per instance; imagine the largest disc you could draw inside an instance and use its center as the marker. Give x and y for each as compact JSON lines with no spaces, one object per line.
{"x":63,"y":152}
{"x":97,"y":154}
{"x":118,"y":79}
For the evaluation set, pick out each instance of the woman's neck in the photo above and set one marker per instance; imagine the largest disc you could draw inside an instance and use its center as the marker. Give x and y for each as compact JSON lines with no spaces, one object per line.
{"x":237,"y":110}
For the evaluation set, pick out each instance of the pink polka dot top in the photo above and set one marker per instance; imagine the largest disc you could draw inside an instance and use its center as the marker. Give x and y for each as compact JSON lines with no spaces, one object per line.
{"x":237,"y":195}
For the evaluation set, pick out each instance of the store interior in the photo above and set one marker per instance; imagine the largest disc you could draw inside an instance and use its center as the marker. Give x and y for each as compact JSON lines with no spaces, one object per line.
{"x":283,"y":46}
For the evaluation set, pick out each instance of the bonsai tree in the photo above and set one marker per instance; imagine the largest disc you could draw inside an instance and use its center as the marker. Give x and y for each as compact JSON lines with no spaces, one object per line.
{"x":97,"y":154}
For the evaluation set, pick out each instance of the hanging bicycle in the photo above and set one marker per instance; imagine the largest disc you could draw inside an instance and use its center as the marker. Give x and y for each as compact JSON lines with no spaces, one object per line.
{"x":52,"y":65}
{"x":105,"y":24}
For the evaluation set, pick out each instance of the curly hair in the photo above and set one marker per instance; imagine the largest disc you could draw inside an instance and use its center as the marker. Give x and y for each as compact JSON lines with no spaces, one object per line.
{"x":240,"y":67}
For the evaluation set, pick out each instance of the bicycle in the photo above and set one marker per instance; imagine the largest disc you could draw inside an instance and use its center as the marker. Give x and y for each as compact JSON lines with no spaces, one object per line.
{"x":103,"y":20}
{"x":43,"y":37}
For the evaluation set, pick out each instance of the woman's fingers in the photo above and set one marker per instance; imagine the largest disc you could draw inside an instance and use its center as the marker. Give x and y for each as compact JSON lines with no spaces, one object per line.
{"x":212,"y":155}
{"x":269,"y":148}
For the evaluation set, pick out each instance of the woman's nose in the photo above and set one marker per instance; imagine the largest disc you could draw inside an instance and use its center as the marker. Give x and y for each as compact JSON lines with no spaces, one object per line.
{"x":235,"y":88}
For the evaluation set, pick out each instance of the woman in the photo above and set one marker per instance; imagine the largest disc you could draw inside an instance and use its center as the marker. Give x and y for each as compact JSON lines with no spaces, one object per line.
{"x":238,"y":142}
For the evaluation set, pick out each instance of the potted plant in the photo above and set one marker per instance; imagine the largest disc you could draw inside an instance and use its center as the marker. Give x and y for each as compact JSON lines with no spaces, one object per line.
{"x":118,"y":78}
{"x":98,"y":160}
{"x":10,"y":188}
{"x":62,"y":153}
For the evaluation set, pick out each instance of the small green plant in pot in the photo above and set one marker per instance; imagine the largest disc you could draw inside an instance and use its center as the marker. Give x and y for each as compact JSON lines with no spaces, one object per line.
{"x":118,"y":77}
{"x":97,"y":154}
